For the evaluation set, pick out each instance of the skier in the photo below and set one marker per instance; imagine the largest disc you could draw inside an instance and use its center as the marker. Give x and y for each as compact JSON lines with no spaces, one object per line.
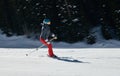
{"x":46,"y":35}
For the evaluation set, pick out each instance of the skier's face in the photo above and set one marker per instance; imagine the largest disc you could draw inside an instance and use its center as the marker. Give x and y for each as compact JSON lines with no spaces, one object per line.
{"x":49,"y":23}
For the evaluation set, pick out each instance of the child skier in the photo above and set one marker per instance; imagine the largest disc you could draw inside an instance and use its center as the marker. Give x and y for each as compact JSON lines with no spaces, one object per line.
{"x":46,"y":35}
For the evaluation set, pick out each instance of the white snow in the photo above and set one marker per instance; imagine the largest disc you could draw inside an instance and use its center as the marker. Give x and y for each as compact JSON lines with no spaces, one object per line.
{"x":27,"y":0}
{"x":75,"y":20}
{"x":74,"y":62}
{"x":23,"y":42}
{"x":24,"y":7}
{"x":74,"y":6}
{"x":78,"y":59}
{"x":118,"y":11}
{"x":37,"y":4}
{"x":103,"y":5}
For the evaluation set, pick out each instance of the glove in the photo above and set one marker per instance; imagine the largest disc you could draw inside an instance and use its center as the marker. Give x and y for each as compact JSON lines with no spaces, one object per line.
{"x":46,"y":40}
{"x":53,"y":35}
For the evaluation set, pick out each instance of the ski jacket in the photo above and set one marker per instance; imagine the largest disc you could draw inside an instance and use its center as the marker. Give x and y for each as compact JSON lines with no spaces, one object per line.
{"x":45,"y":32}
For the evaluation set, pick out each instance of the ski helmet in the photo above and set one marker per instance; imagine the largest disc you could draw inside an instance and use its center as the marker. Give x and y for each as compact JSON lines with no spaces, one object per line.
{"x":46,"y":21}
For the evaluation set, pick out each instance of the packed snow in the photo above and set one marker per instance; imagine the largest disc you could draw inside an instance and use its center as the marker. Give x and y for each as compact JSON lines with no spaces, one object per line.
{"x":73,"y":62}
{"x":78,"y":59}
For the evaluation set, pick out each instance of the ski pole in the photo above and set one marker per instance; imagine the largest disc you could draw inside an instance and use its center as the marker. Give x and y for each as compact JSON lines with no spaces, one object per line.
{"x":35,"y":50}
{"x":40,"y":47}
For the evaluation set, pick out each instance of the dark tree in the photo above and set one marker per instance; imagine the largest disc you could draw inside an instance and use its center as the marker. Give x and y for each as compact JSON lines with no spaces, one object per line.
{"x":72,"y":20}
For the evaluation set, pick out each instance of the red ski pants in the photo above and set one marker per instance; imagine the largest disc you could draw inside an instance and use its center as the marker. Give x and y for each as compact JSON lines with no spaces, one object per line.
{"x":50,"y":51}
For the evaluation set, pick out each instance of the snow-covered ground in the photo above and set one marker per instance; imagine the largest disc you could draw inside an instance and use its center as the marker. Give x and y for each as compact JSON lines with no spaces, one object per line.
{"x":23,"y":42}
{"x":73,"y":62}
{"x":78,"y":59}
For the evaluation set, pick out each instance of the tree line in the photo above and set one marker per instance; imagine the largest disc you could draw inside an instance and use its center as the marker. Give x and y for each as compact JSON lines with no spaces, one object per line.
{"x":72,"y":20}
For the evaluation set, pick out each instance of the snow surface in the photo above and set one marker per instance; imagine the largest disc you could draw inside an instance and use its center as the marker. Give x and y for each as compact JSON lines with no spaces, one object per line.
{"x":23,"y":42}
{"x":74,"y":62}
{"x":78,"y":59}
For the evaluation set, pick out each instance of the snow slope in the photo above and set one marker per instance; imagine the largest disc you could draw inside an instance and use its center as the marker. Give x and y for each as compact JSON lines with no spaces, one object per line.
{"x":79,"y":59}
{"x":74,"y":62}
{"x":23,"y":42}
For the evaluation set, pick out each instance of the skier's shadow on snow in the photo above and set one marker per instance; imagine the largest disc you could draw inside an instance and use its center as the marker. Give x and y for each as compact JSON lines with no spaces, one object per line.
{"x":69,"y":59}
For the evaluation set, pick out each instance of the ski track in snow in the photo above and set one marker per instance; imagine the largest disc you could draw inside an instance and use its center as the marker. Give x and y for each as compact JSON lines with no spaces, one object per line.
{"x":88,"y":62}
